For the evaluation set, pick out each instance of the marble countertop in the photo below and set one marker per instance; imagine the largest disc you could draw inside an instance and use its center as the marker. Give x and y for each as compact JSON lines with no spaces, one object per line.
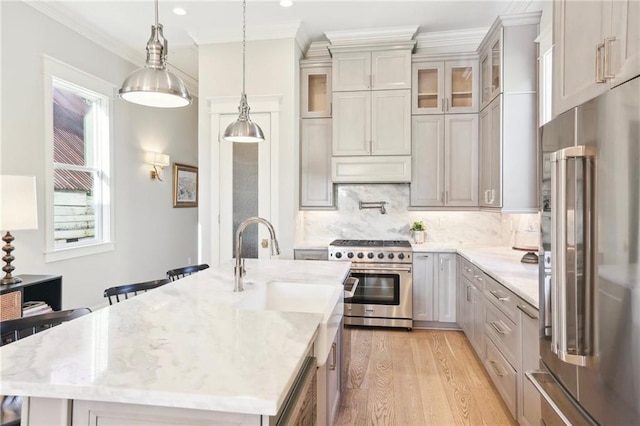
{"x":183,"y":345}
{"x":500,"y":262}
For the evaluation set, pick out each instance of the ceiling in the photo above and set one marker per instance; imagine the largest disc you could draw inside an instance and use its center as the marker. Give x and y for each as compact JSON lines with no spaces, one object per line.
{"x":124,"y":26}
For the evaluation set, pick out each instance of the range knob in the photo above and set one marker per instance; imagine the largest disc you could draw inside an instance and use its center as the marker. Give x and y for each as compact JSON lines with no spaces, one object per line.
{"x":360,"y":255}
{"x":390,"y":256}
{"x":380,"y":255}
{"x":401,"y":256}
{"x":338,"y":255}
{"x":370,"y":255}
{"x":350,"y":255}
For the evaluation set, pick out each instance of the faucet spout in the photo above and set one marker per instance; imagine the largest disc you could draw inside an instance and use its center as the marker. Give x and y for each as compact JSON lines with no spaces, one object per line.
{"x":239,"y":271}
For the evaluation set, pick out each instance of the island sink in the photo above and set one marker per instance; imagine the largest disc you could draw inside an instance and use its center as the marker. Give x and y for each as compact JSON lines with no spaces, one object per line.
{"x":286,"y":296}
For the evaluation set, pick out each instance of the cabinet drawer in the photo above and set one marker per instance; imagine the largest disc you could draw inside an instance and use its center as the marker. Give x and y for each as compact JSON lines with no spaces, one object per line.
{"x":502,"y":374}
{"x":505,"y":300}
{"x":504,"y":333}
{"x":467,"y":269}
{"x":310,"y":254}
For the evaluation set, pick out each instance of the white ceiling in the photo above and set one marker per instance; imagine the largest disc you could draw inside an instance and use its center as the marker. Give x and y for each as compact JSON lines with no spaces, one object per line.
{"x":125,"y":25}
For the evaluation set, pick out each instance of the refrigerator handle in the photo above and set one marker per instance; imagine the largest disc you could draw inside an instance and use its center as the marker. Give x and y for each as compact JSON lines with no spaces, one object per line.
{"x":581,"y":348}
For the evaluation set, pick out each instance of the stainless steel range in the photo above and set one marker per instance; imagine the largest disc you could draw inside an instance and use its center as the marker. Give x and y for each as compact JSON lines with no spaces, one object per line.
{"x":383,"y":296}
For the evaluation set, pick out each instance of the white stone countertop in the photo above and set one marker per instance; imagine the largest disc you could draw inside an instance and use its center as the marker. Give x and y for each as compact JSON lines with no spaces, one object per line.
{"x":500,"y":262}
{"x":182,"y":345}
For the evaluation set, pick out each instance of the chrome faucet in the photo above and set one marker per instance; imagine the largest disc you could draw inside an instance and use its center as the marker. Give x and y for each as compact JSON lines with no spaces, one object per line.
{"x":239,"y":270}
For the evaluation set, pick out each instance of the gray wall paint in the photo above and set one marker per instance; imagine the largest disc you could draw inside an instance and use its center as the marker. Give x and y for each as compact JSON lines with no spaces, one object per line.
{"x":150,"y":235}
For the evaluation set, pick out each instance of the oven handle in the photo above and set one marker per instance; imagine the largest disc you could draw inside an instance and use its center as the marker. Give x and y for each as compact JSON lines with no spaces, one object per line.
{"x":385,"y":269}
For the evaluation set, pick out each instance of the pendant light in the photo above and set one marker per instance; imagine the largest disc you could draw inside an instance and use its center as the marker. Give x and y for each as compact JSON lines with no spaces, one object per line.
{"x":243,"y":129}
{"x":154,"y":85}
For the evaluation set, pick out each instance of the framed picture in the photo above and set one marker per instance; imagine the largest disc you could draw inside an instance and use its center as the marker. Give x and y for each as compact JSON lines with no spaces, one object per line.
{"x":185,"y":185}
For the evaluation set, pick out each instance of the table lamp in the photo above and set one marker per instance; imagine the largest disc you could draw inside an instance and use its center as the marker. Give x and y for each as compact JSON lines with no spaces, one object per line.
{"x":18,"y":211}
{"x":528,"y":240}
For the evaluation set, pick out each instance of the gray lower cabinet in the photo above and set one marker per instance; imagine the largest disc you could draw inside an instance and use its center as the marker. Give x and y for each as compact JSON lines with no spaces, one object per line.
{"x":503,"y":330}
{"x":329,"y":383}
{"x":434,"y":287}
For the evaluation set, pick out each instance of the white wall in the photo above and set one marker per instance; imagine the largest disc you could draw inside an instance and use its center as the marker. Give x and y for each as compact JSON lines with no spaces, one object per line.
{"x":272,"y":69}
{"x":150,"y":235}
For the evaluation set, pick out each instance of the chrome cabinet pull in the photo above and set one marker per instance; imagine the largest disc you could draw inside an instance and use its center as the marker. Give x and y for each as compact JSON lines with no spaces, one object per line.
{"x":497,"y":326}
{"x":446,"y":101}
{"x":497,"y":295}
{"x":442,"y":103}
{"x":498,"y":372}
{"x":608,"y":75}
{"x":599,"y":64}
{"x":468,"y":299}
{"x":334,"y":356}
{"x":525,"y":310}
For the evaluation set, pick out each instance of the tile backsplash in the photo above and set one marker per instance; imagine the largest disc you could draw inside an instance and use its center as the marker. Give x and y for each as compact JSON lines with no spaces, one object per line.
{"x":457,"y":227}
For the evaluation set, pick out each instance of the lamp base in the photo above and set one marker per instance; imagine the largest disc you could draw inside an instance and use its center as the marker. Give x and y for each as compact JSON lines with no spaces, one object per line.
{"x":529,"y":257}
{"x":8,"y":258}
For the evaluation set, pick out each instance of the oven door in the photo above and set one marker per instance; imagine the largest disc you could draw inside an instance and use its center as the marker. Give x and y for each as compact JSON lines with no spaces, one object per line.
{"x":384,"y":291}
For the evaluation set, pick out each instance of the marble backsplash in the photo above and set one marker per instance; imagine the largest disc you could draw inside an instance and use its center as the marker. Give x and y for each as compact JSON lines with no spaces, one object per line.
{"x":456,"y":227}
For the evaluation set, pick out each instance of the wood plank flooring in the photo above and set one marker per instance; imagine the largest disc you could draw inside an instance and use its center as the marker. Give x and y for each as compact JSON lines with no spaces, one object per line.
{"x":422,"y":377}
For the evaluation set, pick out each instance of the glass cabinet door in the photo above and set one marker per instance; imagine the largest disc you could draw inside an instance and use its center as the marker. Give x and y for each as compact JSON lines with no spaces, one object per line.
{"x":461,"y":87}
{"x":428,"y":88}
{"x":495,"y":68}
{"x":316,"y":92}
{"x":485,"y":75}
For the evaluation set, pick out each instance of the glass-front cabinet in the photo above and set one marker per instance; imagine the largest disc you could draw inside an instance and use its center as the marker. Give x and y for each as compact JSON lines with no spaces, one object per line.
{"x":316,"y":92}
{"x":445,"y":87}
{"x":491,"y":70}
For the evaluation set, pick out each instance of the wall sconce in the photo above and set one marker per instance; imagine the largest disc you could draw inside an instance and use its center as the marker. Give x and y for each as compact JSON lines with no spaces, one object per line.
{"x":156,"y":159}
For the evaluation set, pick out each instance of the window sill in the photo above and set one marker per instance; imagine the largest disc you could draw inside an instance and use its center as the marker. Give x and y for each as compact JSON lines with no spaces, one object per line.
{"x":73,"y":252}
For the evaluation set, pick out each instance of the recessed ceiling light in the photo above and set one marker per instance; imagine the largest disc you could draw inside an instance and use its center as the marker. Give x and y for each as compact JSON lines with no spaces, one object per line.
{"x":179,"y":11}
{"x":286,"y":3}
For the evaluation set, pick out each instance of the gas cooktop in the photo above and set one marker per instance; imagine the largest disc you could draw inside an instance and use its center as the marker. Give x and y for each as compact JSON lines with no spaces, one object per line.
{"x":370,"y":243}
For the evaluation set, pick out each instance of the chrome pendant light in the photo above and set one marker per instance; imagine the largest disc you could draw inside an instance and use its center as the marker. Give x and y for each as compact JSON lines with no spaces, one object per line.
{"x":154,"y":85}
{"x":243,"y":129}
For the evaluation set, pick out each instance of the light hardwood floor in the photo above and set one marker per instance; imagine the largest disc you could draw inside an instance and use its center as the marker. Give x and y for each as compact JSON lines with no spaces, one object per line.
{"x":422,"y":377}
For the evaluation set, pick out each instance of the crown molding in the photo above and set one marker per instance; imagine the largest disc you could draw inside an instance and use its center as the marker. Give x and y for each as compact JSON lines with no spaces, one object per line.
{"x":450,"y":41}
{"x":373,"y":35}
{"x":134,"y":56}
{"x":529,"y":18}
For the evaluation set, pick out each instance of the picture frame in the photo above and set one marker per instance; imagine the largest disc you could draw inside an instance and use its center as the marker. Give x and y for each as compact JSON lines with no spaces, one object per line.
{"x":185,"y":185}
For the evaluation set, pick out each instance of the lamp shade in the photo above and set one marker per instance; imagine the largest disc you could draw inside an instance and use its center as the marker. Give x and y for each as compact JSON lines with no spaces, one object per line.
{"x":155,"y":87}
{"x":18,"y":204}
{"x":156,"y":159}
{"x":245,"y":131}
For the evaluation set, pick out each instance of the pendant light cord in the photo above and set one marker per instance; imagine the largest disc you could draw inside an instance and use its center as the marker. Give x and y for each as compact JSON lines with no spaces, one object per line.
{"x":244,"y":30}
{"x":156,"y":7}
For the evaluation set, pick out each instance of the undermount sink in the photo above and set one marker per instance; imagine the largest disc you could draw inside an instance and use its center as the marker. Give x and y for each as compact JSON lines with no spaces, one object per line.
{"x":286,"y":296}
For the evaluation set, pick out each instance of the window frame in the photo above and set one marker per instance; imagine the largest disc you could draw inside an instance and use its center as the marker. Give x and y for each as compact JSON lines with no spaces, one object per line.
{"x":59,"y":74}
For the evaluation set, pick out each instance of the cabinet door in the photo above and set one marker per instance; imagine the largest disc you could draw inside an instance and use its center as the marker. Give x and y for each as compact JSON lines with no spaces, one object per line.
{"x":315,"y":92}
{"x":461,"y":160}
{"x":333,"y":379}
{"x":423,"y":286}
{"x":351,"y":123}
{"x":446,"y":287}
{"x":485,"y":78}
{"x":625,"y":27}
{"x":495,"y":55}
{"x":391,"y":69}
{"x":578,"y":30}
{"x":427,"y":94}
{"x":461,"y":86}
{"x":427,"y":168}
{"x":467,"y":309}
{"x":391,"y":122}
{"x":478,"y":319}
{"x":485,"y":157}
{"x":495,"y":194}
{"x":529,"y":398}
{"x":351,"y":71}
{"x":316,"y":187}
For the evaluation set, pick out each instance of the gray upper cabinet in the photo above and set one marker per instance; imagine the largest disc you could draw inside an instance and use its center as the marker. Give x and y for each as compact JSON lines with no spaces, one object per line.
{"x":316,"y":187}
{"x":508,"y":116}
{"x":371,"y":70}
{"x":315,"y":92}
{"x":444,"y":87}
{"x":445,"y":161}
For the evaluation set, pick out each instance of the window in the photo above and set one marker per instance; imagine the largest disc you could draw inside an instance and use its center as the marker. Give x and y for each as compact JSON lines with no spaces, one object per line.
{"x":79,"y":208}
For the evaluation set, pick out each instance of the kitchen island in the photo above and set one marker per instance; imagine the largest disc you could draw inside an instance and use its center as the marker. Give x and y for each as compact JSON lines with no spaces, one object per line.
{"x":191,"y":350}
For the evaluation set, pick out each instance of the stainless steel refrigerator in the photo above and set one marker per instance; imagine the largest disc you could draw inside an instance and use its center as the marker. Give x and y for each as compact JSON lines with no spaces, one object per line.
{"x":590,"y":274}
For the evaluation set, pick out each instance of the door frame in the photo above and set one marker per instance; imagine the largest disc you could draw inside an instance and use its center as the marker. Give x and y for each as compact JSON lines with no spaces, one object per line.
{"x":224,"y":105}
